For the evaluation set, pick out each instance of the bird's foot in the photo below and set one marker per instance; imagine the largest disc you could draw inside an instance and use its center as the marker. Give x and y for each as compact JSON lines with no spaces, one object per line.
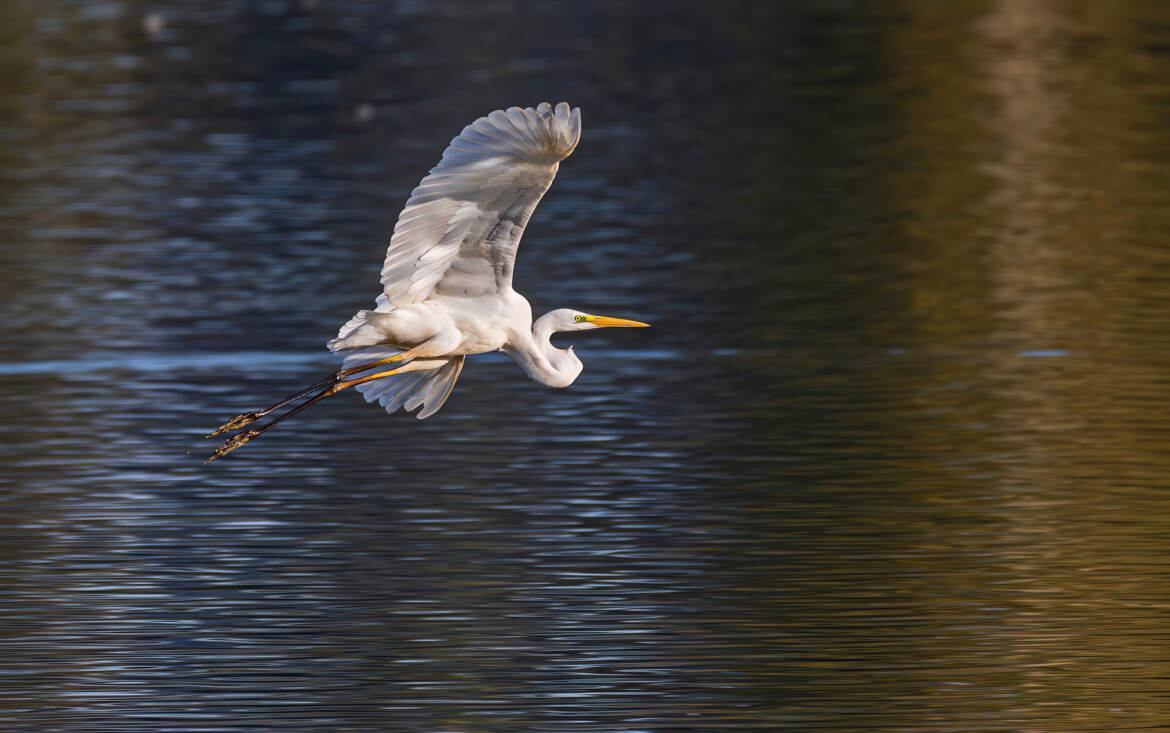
{"x":235,"y":423}
{"x":234,"y":442}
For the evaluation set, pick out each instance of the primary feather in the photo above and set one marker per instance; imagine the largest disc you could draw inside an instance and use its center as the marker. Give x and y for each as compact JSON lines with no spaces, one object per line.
{"x":460,"y":229}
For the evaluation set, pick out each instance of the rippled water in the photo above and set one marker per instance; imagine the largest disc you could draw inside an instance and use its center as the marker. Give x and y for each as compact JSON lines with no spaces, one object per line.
{"x":894,"y":456}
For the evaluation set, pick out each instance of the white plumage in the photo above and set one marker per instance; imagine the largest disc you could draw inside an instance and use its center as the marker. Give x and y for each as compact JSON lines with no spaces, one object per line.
{"x":447,"y":277}
{"x":461,"y":226}
{"x":458,"y":234}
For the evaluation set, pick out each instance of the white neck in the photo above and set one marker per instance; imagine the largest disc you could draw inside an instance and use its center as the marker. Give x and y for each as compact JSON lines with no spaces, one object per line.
{"x":542,"y":361}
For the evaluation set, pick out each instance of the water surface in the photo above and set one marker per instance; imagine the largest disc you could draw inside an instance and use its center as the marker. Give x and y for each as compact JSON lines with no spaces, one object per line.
{"x":893,"y":456}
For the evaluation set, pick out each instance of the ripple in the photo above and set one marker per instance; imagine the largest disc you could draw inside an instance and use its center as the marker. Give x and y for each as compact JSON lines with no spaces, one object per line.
{"x":891,"y":458}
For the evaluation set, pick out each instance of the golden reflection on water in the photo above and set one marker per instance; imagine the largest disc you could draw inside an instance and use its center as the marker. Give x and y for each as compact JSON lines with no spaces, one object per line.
{"x":896,"y":460}
{"x":1040,"y":286}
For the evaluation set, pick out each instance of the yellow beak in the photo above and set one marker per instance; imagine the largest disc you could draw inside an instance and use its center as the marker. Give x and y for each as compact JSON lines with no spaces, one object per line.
{"x":604,"y":321}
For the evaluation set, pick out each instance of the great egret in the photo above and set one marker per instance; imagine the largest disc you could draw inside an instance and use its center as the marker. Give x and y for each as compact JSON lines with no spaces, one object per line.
{"x":447,"y":278}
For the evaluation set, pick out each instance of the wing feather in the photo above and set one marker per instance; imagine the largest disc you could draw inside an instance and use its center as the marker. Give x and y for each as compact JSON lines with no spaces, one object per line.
{"x":429,"y":388}
{"x":474,"y":205}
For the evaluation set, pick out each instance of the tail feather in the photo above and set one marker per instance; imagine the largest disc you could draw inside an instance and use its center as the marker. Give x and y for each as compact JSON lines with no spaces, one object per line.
{"x":392,"y":392}
{"x":427,"y":388}
{"x":437,"y":388}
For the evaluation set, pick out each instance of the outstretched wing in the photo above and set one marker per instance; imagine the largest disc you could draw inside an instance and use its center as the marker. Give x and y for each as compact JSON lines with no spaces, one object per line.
{"x":461,"y":227}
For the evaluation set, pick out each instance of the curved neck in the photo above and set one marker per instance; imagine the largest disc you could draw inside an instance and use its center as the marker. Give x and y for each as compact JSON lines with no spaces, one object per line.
{"x":542,"y":361}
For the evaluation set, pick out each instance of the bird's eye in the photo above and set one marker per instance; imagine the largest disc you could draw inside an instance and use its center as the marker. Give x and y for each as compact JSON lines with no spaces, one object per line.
{"x":578,"y":319}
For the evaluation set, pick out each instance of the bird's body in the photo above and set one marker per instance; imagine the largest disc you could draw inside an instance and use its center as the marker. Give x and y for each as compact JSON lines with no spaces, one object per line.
{"x":447,"y":277}
{"x":442,"y":325}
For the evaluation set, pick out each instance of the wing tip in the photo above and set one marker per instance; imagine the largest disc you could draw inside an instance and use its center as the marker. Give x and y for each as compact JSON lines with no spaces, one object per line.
{"x":555,"y":130}
{"x":564,"y":124}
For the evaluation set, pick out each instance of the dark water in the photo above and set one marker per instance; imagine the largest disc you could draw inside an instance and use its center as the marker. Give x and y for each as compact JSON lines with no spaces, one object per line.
{"x":894,"y":456}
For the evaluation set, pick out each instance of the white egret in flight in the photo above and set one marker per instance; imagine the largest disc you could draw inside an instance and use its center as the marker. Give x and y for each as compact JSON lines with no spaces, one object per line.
{"x":447,"y":278}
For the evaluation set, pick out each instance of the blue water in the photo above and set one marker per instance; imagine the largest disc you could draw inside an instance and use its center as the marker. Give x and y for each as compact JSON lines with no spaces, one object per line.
{"x":893,"y":456}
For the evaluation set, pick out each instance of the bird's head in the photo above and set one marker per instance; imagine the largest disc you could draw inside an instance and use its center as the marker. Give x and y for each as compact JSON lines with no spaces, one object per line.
{"x":559,"y":367}
{"x":567,"y":319}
